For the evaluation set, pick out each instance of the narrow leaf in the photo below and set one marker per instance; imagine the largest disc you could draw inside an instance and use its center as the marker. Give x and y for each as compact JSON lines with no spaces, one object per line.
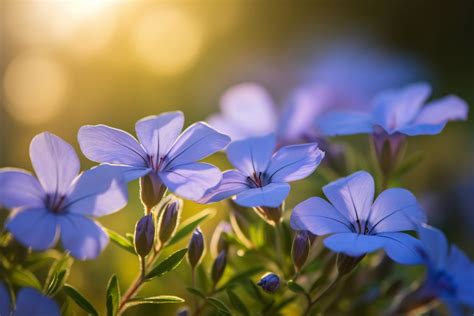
{"x":167,"y":265}
{"x":161,"y":299}
{"x":190,"y":224}
{"x":196,"y":292}
{"x":237,"y":303}
{"x":113,"y":296}
{"x":121,"y":241}
{"x":219,"y":305}
{"x":295,"y":287}
{"x":80,"y":300}
{"x":24,"y":278}
{"x":244,"y":275}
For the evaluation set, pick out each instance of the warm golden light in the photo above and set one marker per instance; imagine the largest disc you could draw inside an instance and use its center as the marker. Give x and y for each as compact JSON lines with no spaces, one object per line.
{"x":35,"y":88}
{"x":168,"y":39}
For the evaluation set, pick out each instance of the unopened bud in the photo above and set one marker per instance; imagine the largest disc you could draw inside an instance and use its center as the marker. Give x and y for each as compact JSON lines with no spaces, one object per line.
{"x":144,"y":235}
{"x":183,"y":311}
{"x":388,"y":149}
{"x":270,"y":282}
{"x":300,"y":249}
{"x":169,"y":221}
{"x":151,"y":191}
{"x":345,"y":264}
{"x":196,"y":248}
{"x":272,"y":215}
{"x":218,"y":266}
{"x":218,"y":241}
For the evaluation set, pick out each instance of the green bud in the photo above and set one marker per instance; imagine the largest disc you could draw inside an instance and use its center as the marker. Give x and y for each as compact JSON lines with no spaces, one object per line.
{"x":169,"y":221}
{"x":196,"y":248}
{"x":218,"y":266}
{"x":144,"y":235}
{"x":300,"y":249}
{"x":152,"y":191}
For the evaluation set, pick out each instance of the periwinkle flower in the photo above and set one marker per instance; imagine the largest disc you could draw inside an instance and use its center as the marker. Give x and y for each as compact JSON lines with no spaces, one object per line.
{"x":358,"y":224}
{"x":144,"y":235}
{"x":60,"y":201}
{"x":28,"y":302}
{"x":261,"y":177}
{"x":270,"y":282}
{"x":165,"y":157}
{"x":196,"y":248}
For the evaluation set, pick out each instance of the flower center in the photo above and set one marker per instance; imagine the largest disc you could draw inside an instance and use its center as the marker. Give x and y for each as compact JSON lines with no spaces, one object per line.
{"x":362,"y":227}
{"x":54,"y":202}
{"x":257,"y":180}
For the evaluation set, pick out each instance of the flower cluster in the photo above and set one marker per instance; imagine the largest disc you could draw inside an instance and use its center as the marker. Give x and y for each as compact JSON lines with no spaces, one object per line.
{"x":268,"y":151}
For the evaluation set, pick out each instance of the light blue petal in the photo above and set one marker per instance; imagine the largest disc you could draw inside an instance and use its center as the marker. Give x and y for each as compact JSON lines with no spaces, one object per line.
{"x":19,"y":188}
{"x":402,"y":248}
{"x":34,"y":227}
{"x":422,"y":129}
{"x":30,"y":302}
{"x":294,"y":162}
{"x":319,"y":217}
{"x":83,"y":237}
{"x":233,"y":182}
{"x":55,"y":162}
{"x":252,"y":155}
{"x":5,"y":300}
{"x":271,"y":195}
{"x":395,"y":210}
{"x":158,"y":132}
{"x":345,"y":123}
{"x":98,"y":191}
{"x":449,"y":108}
{"x":101,"y":143}
{"x":191,"y":181}
{"x":435,"y":245}
{"x":352,"y":196}
{"x":197,"y":142}
{"x":353,"y":244}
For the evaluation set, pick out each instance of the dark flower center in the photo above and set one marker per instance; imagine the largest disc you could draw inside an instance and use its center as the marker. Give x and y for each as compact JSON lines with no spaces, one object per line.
{"x":257,"y":180}
{"x":155,"y":164}
{"x":362,"y":227}
{"x":55,"y":202}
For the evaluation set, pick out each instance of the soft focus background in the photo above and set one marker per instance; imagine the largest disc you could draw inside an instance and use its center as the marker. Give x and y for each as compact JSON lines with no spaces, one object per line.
{"x":67,"y":63}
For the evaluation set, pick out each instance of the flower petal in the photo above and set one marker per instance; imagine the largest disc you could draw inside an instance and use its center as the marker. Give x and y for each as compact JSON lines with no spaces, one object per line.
{"x":353,"y":244}
{"x":271,"y":195}
{"x":402,"y":248}
{"x":395,"y":210}
{"x":345,"y":123}
{"x":83,"y":237}
{"x":19,"y":188}
{"x":252,"y":155}
{"x":5,"y":300}
{"x":101,"y":143}
{"x":158,"y":132}
{"x":233,"y":182}
{"x":294,"y":162}
{"x":352,"y":196}
{"x":34,"y":227}
{"x":440,"y":111}
{"x":319,"y":217}
{"x":55,"y":162}
{"x":435,"y":245}
{"x":197,"y":142}
{"x":191,"y":180}
{"x":31,"y":302}
{"x":422,"y":129}
{"x":98,"y":191}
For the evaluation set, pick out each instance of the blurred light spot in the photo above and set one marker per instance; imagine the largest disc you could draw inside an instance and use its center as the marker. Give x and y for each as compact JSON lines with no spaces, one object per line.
{"x":35,"y":88}
{"x":168,"y":39}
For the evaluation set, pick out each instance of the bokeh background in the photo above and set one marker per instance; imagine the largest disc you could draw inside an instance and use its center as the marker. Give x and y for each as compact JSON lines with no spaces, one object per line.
{"x":67,"y":63}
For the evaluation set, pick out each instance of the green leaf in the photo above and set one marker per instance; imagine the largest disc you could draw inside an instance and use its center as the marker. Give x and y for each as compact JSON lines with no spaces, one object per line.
{"x":58,"y":274}
{"x":167,"y":265}
{"x":196,"y":292}
{"x":24,"y":278}
{"x":113,"y":296}
{"x":190,"y":224}
{"x":219,"y":305}
{"x":295,"y":287}
{"x":242,"y":276}
{"x":284,"y":303}
{"x":80,"y":300}
{"x":237,"y":303}
{"x":121,"y":241}
{"x":161,"y":299}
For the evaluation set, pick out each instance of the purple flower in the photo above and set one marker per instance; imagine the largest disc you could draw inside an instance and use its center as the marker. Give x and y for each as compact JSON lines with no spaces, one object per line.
{"x":261,"y":177}
{"x":60,"y":201}
{"x":29,"y":302}
{"x":398,"y":112}
{"x":358,"y":224}
{"x":165,"y":156}
{"x":450,"y":275}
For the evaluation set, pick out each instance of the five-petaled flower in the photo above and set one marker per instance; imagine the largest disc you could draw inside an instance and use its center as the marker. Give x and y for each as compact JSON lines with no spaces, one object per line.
{"x":28,"y":302}
{"x":60,"y":201}
{"x":261,"y":177}
{"x":357,"y":224}
{"x":163,"y":158}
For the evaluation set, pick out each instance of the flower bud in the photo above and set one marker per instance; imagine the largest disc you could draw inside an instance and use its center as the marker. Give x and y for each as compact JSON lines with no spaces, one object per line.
{"x":345,"y":264}
{"x":269,"y":282}
{"x":169,"y":221}
{"x":300,"y":249}
{"x":183,"y":311}
{"x":218,"y":240}
{"x":151,"y":191}
{"x":196,"y":248}
{"x":218,"y":266}
{"x":272,"y":215}
{"x":144,"y":235}
{"x":388,"y":149}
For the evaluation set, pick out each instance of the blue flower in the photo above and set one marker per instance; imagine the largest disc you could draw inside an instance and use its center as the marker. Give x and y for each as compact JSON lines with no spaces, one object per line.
{"x":398,"y":112}
{"x":60,"y":201}
{"x":358,"y":224}
{"x":261,"y":177}
{"x":450,"y":273}
{"x":28,"y":302}
{"x":165,"y":155}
